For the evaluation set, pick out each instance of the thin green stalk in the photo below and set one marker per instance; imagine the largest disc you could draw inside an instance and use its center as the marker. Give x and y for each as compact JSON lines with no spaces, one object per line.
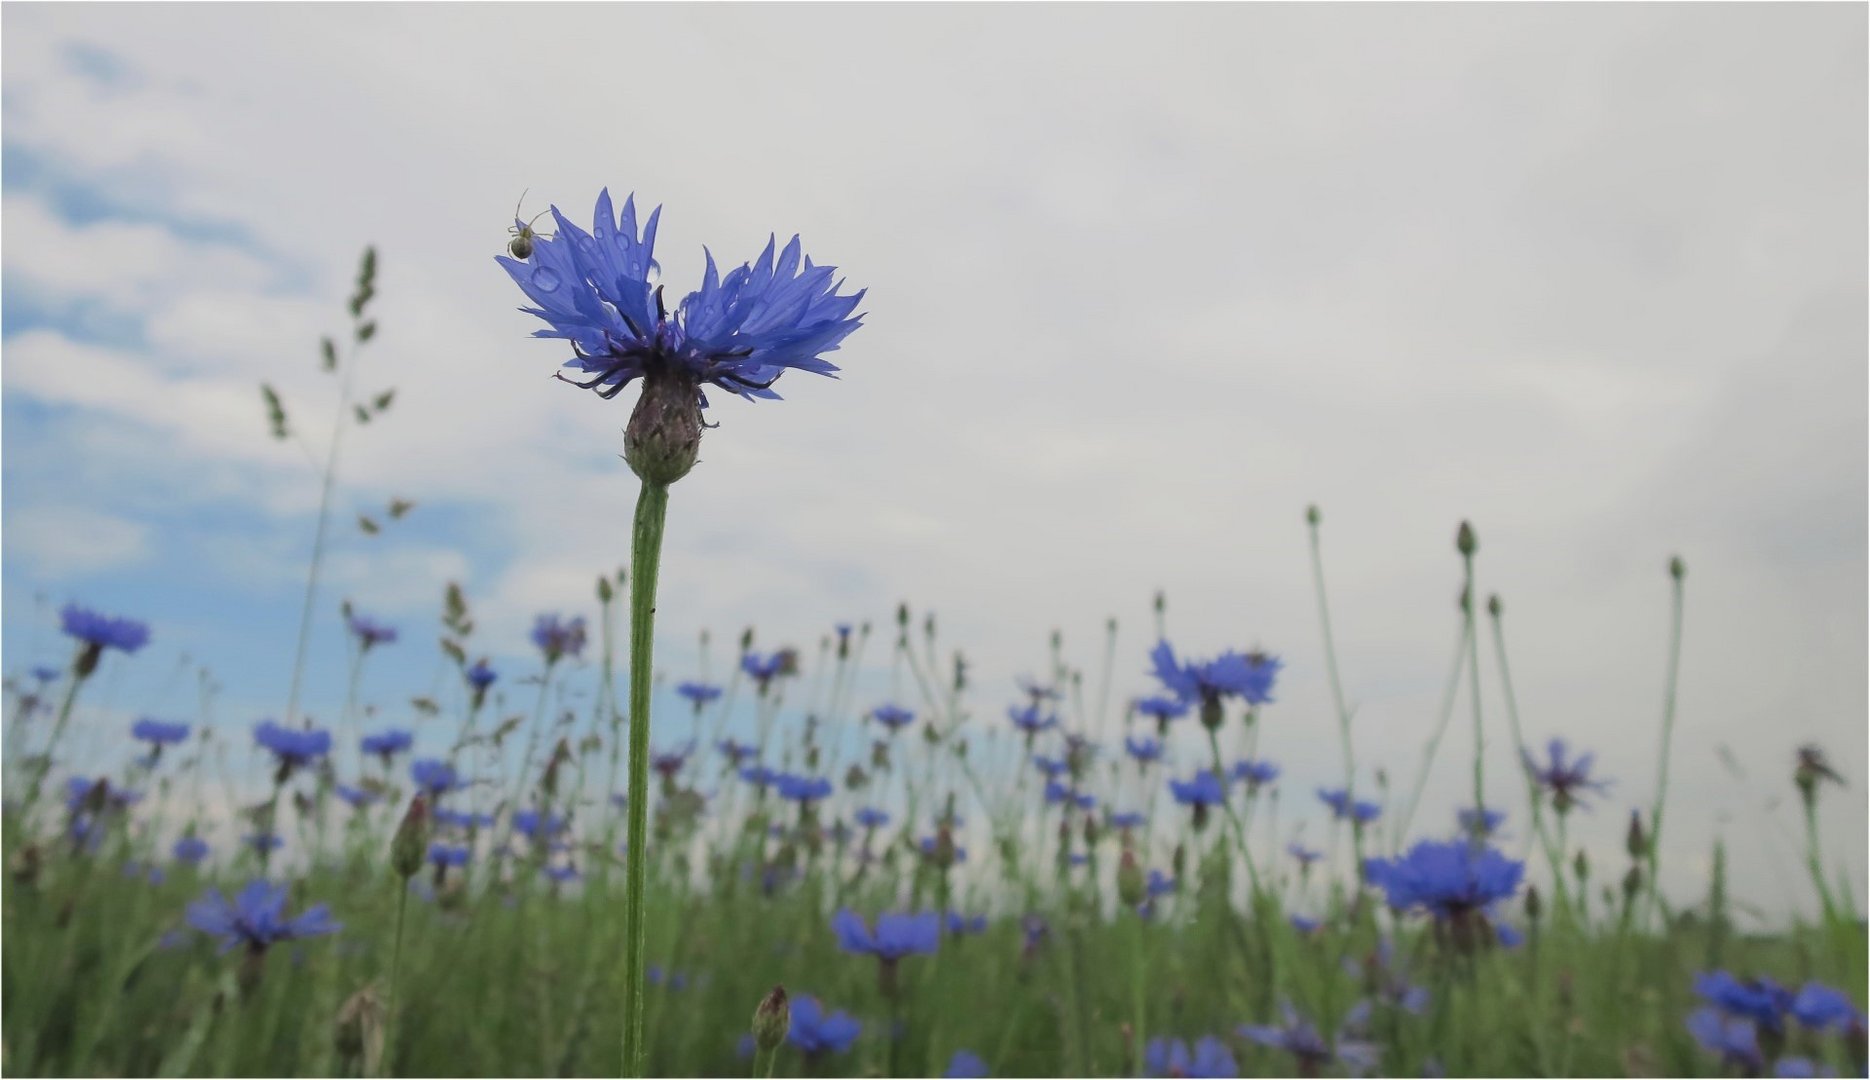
{"x":1676,"y":574}
{"x":1534,"y":801}
{"x":1331,"y":656}
{"x":1434,"y":742}
{"x":318,"y":537}
{"x":652,"y":506}
{"x":396,"y":966}
{"x":1473,"y":674}
{"x":45,"y":762}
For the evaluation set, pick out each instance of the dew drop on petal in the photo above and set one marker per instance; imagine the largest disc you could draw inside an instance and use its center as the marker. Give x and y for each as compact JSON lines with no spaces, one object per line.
{"x":545,"y":279}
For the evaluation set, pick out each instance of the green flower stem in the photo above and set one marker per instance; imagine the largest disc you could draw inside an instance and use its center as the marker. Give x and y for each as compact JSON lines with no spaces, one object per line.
{"x":51,"y":743}
{"x":396,"y":964}
{"x":1534,"y":800}
{"x":1473,"y":674}
{"x":652,"y":507}
{"x":1434,"y":742}
{"x":1668,"y":730}
{"x":1331,"y":662}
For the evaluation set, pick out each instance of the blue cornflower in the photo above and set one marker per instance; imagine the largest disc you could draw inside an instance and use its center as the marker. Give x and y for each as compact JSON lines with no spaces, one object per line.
{"x":870,"y":817}
{"x":1162,"y":709}
{"x":436,"y":778}
{"x":1145,"y":750}
{"x":100,"y":632}
{"x":561,"y":875}
{"x":466,"y":819}
{"x":669,"y":762}
{"x":387,"y":744}
{"x":1762,"y":1001}
{"x":446,"y":855}
{"x":1305,"y":924}
{"x":46,"y":674}
{"x":1031,"y":720}
{"x":802,"y":789}
{"x":293,"y":748}
{"x":1310,"y":1050}
{"x":1306,"y":856}
{"x":966,"y":924}
{"x":537,"y":825}
{"x":358,"y":798}
{"x":1203,"y":789}
{"x":764,"y":669}
{"x":190,"y":850}
{"x":760,"y":776}
{"x":1128,"y":819}
{"x":1359,"y":811}
{"x":480,"y":677}
{"x":263,"y":843}
{"x":1248,"y":677}
{"x":1798,"y":1068}
{"x":1485,"y":823}
{"x":893,"y":717}
{"x":84,"y":795}
{"x":1820,"y":1007}
{"x":1049,"y":766}
{"x":1456,"y":881}
{"x":739,"y":332}
{"x":815,"y":1031}
{"x":1171,"y":1057}
{"x":1732,"y":1037}
{"x":1158,"y":884}
{"x":157,"y":733}
{"x":558,"y":637}
{"x":965,"y":1065}
{"x":1056,"y":793}
{"x":698,"y":693}
{"x":369,"y":632}
{"x":896,"y":935}
{"x":1565,"y":777}
{"x":736,"y":752}
{"x":256,"y":918}
{"x":1254,"y":774}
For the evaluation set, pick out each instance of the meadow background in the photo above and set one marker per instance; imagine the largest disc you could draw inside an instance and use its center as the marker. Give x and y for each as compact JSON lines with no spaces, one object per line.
{"x":1144,"y":284}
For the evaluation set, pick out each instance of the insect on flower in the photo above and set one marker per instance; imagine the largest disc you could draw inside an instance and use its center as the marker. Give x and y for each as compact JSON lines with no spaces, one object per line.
{"x":520,"y":247}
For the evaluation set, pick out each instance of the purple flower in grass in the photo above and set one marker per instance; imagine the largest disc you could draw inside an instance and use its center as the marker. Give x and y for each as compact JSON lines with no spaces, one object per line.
{"x":190,"y":850}
{"x":538,"y":826}
{"x":1144,"y":749}
{"x":1031,"y":720}
{"x":1564,"y":777}
{"x":893,"y":717}
{"x":965,"y":1065}
{"x":1483,"y":823}
{"x":764,"y":669}
{"x":443,"y":856}
{"x":1056,"y":793}
{"x":1206,"y":683}
{"x":369,"y":632}
{"x":1762,"y":1001}
{"x":1733,"y":1038}
{"x":1127,"y":820}
{"x":435,"y":778}
{"x":698,"y":693}
{"x":558,"y":637}
{"x":1311,"y":1051}
{"x":1161,"y":709}
{"x":1456,"y":881}
{"x":1821,"y":1008}
{"x":1306,"y":856}
{"x":966,"y":924}
{"x":95,"y":633}
{"x":802,"y":789}
{"x":1358,"y":811}
{"x":815,"y":1031}
{"x":356,"y":798}
{"x":479,"y":678}
{"x":1254,"y":774}
{"x":157,"y":733}
{"x":869,"y":817}
{"x":736,"y":752}
{"x":256,"y":917}
{"x":292,"y":748}
{"x":387,"y":744}
{"x":1172,"y":1057}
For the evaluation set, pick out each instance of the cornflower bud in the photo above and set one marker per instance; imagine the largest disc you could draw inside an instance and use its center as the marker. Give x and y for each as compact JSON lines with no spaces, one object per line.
{"x":411,"y":843}
{"x":1464,"y":541}
{"x":772,"y":1018}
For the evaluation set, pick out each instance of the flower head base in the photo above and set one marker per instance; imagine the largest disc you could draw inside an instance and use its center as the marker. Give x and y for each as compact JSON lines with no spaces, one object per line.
{"x":738,"y":332}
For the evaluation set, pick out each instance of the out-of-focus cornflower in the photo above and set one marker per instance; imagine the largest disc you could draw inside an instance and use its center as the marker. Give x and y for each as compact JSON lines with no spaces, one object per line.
{"x":256,"y":917}
{"x":1034,"y":931}
{"x":896,"y":935}
{"x":1732,"y":1037}
{"x":966,"y":924}
{"x":1564,"y":777}
{"x":815,"y":1031}
{"x":356,"y":798}
{"x":558,"y":637}
{"x":1128,"y":819}
{"x":370,"y":632}
{"x":158,"y":734}
{"x":1254,"y":774}
{"x":941,"y":854}
{"x":435,"y":778}
{"x":537,"y":825}
{"x":1508,"y":936}
{"x":142,"y":871}
{"x":674,"y":980}
{"x":1820,"y":1008}
{"x":764,"y":669}
{"x":387,"y":744}
{"x":1484,"y":823}
{"x":1207,"y":682}
{"x":965,"y":1065}
{"x":1798,"y":1068}
{"x":446,"y":855}
{"x":759,"y":776}
{"x":95,"y":633}
{"x":1036,"y":691}
{"x":292,"y":748}
{"x":1202,"y":791}
{"x":1310,"y":1050}
{"x":893,"y":717}
{"x":1305,"y":924}
{"x":1031,"y":720}
{"x":561,"y":875}
{"x":46,"y":674}
{"x":1171,"y":1057}
{"x":190,"y":850}
{"x":1159,"y":884}
{"x":1359,"y":811}
{"x":1145,"y":749}
{"x":698,"y":693}
{"x":1762,"y":1001}
{"x":802,"y":789}
{"x":263,"y":843}
{"x":463,"y":819}
{"x":736,"y":752}
{"x":1056,"y":793}
{"x":1306,"y":856}
{"x":479,"y":678}
{"x":869,"y":817}
{"x":1049,"y":766}
{"x":1456,"y":881}
{"x":669,"y":762}
{"x":1161,"y":710}
{"x":84,"y":795}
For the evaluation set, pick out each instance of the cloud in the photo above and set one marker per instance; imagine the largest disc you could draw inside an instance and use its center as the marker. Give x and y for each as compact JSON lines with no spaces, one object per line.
{"x":60,"y":542}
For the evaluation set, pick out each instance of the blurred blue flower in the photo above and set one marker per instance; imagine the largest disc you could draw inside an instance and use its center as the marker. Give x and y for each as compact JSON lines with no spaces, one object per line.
{"x":931,"y":848}
{"x":537,"y":825}
{"x":1486,"y":822}
{"x":293,"y":748}
{"x":1452,"y":880}
{"x":435,"y":778}
{"x":815,"y":1031}
{"x":1162,"y":709}
{"x":387,"y":744}
{"x":1145,"y":749}
{"x":256,"y":918}
{"x":1031,"y":720}
{"x":100,"y":632}
{"x":358,"y":798}
{"x":1159,"y":884}
{"x":1796,"y":1068}
{"x":893,"y":717}
{"x":1508,"y":936}
{"x":1732,"y":1037}
{"x":1310,"y":1050}
{"x":561,"y":875}
{"x":896,"y":936}
{"x":480,"y":677}
{"x":803,"y":789}
{"x":966,"y":924}
{"x":1820,"y":1007}
{"x":1050,"y":766}
{"x":739,"y":332}
{"x":464,"y":819}
{"x":558,"y":637}
{"x":1232,"y":674}
{"x":670,"y":762}
{"x":1036,"y":691}
{"x":1305,"y":924}
{"x":759,"y":776}
{"x":46,"y":674}
{"x":263,"y":843}
{"x":1359,"y":811}
{"x":966,"y":1065}
{"x":698,"y":693}
{"x":736,"y":752}
{"x":1129,"y":819}
{"x":157,"y":733}
{"x":1056,"y":793}
{"x":446,"y":855}
{"x":1171,"y":1057}
{"x":1306,"y":856}
{"x":764,"y":669}
{"x":1760,"y":1000}
{"x":190,"y":850}
{"x":1254,"y":774}
{"x":369,"y":632}
{"x":1203,"y":789}
{"x":1566,"y":778}
{"x":1386,"y":980}
{"x":871,"y":818}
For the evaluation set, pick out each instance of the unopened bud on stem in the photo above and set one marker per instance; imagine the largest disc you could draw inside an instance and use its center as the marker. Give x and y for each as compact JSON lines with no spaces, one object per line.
{"x":771,"y":1020}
